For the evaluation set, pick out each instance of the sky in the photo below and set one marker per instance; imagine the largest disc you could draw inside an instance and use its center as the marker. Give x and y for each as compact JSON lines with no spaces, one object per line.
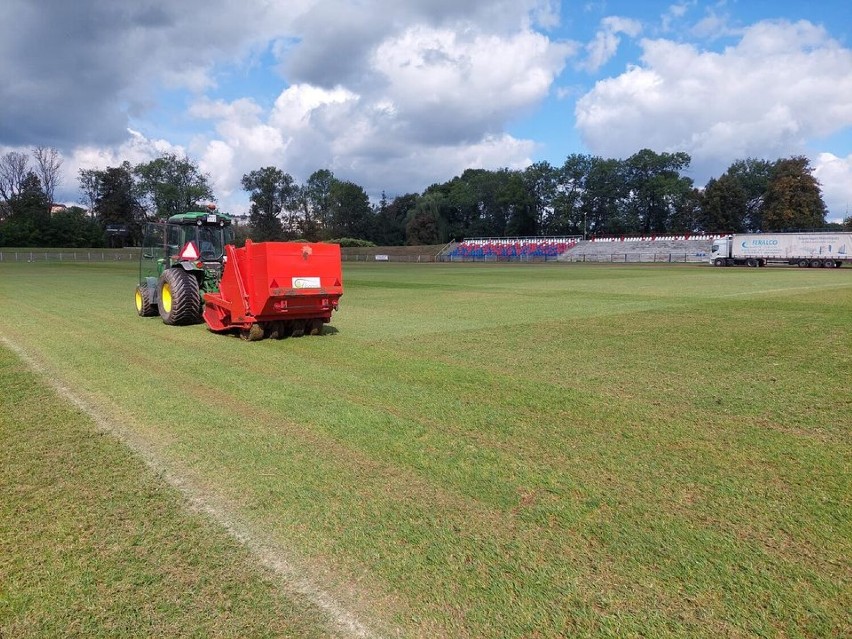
{"x":396,"y":95}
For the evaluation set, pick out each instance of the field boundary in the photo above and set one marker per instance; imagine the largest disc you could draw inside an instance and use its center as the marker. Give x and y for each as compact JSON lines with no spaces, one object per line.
{"x":65,"y":255}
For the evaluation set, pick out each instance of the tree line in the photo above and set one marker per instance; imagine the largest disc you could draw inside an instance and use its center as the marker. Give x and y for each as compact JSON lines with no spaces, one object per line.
{"x":647,"y":193}
{"x":117,"y":201}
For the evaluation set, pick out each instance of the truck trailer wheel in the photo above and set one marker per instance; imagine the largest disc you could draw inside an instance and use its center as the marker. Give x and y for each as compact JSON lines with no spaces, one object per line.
{"x":828,"y":264}
{"x":803,"y":264}
{"x":178,"y":297}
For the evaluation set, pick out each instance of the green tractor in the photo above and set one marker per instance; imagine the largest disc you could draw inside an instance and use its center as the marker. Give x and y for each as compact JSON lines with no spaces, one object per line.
{"x":181,"y":260}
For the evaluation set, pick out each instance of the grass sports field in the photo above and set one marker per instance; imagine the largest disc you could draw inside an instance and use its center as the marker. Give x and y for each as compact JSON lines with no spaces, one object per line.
{"x":470,"y":451}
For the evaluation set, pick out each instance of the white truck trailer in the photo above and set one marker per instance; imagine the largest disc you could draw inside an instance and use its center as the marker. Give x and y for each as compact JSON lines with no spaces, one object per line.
{"x":826,"y":250}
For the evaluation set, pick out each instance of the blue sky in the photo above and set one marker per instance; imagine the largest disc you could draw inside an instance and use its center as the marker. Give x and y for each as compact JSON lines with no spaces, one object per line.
{"x":398,"y":95}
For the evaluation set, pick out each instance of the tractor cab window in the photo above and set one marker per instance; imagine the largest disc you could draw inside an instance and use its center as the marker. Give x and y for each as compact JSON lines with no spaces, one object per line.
{"x":174,"y":239}
{"x":152,"y":244}
{"x":210,"y":242}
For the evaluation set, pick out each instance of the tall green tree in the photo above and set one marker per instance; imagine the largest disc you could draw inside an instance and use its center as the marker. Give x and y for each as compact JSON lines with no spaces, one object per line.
{"x":688,"y":216}
{"x":425,"y":223}
{"x":350,"y":212}
{"x":604,"y":197}
{"x":316,"y":204}
{"x":656,"y":189}
{"x":117,"y":205}
{"x":172,"y":184}
{"x":479,"y":202}
{"x":461,"y":206}
{"x":467,"y":204}
{"x":90,"y":181}
{"x":540,"y":180}
{"x":272,"y":192}
{"x":793,"y":197}
{"x":520,"y":205}
{"x":29,"y":214}
{"x":389,"y":229}
{"x":571,"y":184}
{"x":753,"y":176}
{"x":724,"y":205}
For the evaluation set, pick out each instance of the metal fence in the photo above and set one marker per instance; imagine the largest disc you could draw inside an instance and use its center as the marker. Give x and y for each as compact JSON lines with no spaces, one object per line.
{"x":388,"y":258}
{"x":69,"y":256}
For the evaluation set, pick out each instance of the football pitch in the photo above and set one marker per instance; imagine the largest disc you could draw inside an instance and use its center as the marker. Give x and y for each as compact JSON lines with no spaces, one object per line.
{"x":468,"y":451}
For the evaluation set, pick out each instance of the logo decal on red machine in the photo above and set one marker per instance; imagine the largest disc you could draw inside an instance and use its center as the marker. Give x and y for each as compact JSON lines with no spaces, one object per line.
{"x":306,"y":282}
{"x":306,"y":252}
{"x":189,"y":252}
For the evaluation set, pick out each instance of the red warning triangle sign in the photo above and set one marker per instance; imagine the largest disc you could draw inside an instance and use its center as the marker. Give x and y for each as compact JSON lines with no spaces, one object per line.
{"x":337,"y":282}
{"x":189,"y":252}
{"x":273,"y":284}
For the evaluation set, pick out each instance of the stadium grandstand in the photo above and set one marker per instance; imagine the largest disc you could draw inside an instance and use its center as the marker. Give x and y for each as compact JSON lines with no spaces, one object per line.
{"x":645,"y":248}
{"x":648,"y":248}
{"x":509,"y":249}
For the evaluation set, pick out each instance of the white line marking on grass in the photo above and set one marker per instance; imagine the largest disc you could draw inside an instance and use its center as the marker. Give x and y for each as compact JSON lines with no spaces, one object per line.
{"x":266,"y":550}
{"x":764,"y":291}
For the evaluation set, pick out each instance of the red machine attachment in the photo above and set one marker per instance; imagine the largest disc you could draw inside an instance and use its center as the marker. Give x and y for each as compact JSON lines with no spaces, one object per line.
{"x":276,"y":289}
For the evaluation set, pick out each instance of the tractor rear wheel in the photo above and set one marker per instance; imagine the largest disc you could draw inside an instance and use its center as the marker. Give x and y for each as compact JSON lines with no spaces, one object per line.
{"x":145,"y":305}
{"x":178,"y":297}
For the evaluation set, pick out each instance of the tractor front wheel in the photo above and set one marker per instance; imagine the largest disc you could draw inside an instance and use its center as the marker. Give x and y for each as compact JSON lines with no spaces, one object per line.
{"x":178,"y":297}
{"x":145,"y":305}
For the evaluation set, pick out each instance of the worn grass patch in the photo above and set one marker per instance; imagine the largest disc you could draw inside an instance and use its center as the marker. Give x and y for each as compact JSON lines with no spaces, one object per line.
{"x":508,"y":451}
{"x":93,"y":544}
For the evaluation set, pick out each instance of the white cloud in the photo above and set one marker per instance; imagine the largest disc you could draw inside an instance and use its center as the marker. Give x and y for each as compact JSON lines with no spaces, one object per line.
{"x":780,"y":86}
{"x":218,"y":161}
{"x":337,"y":37}
{"x":298,"y":103}
{"x":429,"y":103}
{"x":679,"y":10}
{"x":311,"y":128}
{"x":835,"y":175}
{"x":605,"y":43}
{"x":450,"y":85}
{"x":714,"y":26}
{"x":674,"y":14}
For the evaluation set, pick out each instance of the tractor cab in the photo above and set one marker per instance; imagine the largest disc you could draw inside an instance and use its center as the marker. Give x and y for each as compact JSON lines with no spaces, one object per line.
{"x":187,"y":251}
{"x":198,"y":236}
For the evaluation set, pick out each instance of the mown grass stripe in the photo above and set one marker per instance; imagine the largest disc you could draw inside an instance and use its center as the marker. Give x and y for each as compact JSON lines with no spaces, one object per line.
{"x":146,"y":565}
